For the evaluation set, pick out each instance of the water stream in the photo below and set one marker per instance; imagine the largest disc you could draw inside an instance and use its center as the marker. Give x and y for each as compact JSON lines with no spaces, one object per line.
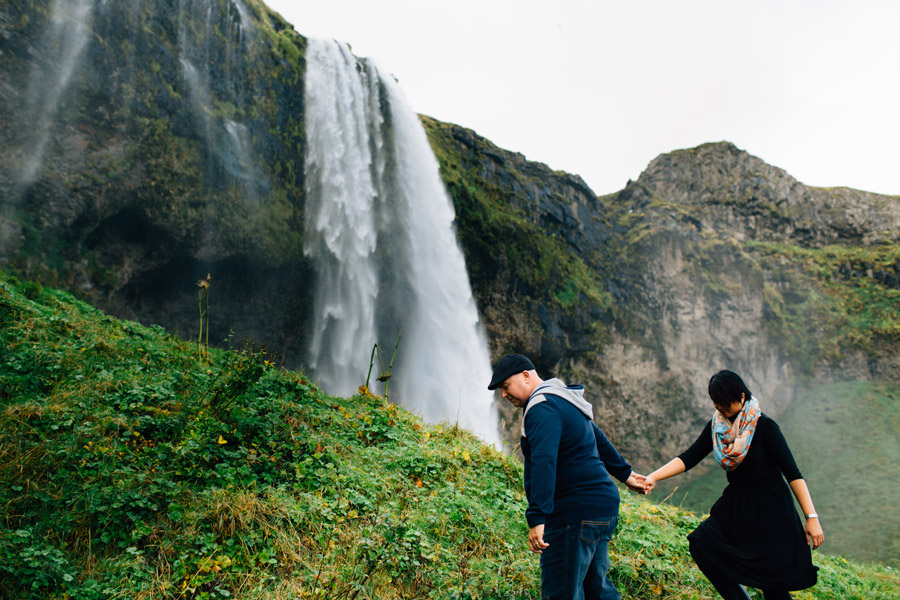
{"x":212,"y":66}
{"x":60,"y":52}
{"x":380,"y":230}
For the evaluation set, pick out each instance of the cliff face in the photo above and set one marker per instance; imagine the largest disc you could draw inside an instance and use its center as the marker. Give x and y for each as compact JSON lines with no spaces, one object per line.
{"x":144,"y":145}
{"x":711,"y":259}
{"x":537,"y":243}
{"x":148,"y":144}
{"x":730,"y":190}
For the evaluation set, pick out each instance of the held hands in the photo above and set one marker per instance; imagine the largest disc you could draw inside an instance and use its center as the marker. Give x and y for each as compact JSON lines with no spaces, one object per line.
{"x":814,"y":534}
{"x":637,"y":483}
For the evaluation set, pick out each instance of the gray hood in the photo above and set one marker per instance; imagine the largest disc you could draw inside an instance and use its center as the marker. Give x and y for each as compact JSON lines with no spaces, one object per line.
{"x":572,"y":394}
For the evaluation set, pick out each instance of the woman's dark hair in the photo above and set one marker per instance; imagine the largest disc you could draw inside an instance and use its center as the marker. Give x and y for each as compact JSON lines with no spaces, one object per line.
{"x":726,"y":387}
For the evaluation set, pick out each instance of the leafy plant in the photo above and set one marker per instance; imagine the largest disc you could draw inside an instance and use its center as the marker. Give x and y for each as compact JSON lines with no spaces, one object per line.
{"x":385,"y":375}
{"x":203,"y":309}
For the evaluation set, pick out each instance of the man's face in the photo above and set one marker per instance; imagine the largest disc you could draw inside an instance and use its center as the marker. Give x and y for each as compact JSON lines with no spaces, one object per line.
{"x":516,"y":388}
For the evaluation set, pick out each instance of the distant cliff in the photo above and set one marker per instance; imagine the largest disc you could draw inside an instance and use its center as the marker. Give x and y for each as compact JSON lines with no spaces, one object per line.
{"x":711,"y":259}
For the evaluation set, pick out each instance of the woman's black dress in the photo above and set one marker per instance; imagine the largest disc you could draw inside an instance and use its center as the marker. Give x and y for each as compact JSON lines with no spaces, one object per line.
{"x":753,"y":535}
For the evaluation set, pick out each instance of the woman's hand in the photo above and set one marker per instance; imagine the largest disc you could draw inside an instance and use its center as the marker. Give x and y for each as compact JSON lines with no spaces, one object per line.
{"x":814,"y":534}
{"x":670,"y":469}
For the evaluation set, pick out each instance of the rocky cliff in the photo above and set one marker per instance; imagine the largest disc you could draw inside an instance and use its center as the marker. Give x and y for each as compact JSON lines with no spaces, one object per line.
{"x":147,"y":144}
{"x":163,"y":140}
{"x":711,"y":259}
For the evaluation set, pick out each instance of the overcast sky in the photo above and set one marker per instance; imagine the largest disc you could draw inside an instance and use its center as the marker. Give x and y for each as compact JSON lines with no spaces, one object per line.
{"x":599,"y":88}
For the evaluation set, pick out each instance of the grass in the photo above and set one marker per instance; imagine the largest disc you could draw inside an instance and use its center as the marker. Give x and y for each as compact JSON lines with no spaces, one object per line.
{"x":128,"y":469}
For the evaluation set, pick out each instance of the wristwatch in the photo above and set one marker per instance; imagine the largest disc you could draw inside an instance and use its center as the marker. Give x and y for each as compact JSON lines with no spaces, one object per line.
{"x":812,"y":516}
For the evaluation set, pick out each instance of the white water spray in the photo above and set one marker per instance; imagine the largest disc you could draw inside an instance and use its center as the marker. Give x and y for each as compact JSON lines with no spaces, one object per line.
{"x":228,"y":140}
{"x":63,"y":44}
{"x":380,"y":231}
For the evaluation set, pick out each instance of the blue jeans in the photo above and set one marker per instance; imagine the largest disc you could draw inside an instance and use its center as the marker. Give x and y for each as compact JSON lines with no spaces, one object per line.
{"x":574,"y":565}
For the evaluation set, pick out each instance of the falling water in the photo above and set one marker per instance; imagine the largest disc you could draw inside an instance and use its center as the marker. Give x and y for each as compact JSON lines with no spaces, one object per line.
{"x":62,"y":45}
{"x":343,"y":127}
{"x":228,"y":141}
{"x":380,"y":231}
{"x":57,"y":58}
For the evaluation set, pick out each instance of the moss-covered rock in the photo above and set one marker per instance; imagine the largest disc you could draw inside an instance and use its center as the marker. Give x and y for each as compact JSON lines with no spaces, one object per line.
{"x":165,"y":142}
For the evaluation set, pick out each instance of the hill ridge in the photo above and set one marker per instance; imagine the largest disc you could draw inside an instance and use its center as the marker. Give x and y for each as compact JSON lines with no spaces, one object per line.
{"x":752,"y":199}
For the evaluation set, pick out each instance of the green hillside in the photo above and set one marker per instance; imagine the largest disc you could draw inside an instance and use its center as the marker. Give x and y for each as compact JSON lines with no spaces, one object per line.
{"x":131,"y":466}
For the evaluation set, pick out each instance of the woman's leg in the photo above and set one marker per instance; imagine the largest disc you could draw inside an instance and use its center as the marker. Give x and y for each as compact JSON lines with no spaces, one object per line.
{"x":777,"y":594}
{"x":729,"y":590}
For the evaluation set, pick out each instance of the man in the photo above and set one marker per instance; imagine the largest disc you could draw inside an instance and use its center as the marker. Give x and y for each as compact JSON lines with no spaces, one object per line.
{"x":573,"y":504}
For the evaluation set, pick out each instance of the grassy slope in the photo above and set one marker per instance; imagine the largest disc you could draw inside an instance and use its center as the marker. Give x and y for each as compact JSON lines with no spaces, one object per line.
{"x":131,"y":469}
{"x":846,"y":439}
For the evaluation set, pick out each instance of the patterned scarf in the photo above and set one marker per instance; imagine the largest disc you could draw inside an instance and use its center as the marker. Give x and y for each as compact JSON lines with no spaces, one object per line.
{"x":731,"y":441}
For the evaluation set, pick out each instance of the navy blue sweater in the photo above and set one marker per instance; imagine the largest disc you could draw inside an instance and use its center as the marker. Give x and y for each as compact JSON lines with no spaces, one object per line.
{"x":568,"y":461}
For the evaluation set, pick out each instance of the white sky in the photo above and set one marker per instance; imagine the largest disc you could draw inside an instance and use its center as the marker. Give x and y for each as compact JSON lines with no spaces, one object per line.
{"x":599,"y":88}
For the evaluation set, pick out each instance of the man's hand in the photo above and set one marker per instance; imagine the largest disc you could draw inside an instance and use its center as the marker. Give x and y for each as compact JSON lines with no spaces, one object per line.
{"x":637,"y":483}
{"x":536,"y":539}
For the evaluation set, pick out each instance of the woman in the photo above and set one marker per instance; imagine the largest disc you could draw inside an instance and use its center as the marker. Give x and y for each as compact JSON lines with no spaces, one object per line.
{"x":753,"y":535}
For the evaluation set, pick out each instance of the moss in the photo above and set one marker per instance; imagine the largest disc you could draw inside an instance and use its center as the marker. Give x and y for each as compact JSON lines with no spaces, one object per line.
{"x":36,"y":241}
{"x":287,"y":45}
{"x":835,"y":302}
{"x":499,"y":237}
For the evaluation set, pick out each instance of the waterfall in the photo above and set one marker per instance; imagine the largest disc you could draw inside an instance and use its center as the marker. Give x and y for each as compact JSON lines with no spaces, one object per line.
{"x":57,"y":58}
{"x":213,"y":80}
{"x":343,"y":130}
{"x":62,"y":44}
{"x":380,"y":231}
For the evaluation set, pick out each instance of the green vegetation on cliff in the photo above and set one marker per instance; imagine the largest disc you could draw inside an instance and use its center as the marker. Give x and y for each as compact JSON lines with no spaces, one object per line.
{"x":131,"y":469}
{"x":501,"y":237}
{"x":827,"y":302}
{"x":180,"y":127}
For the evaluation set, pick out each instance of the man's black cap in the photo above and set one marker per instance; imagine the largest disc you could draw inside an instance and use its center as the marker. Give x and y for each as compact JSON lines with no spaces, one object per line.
{"x":509,"y":365}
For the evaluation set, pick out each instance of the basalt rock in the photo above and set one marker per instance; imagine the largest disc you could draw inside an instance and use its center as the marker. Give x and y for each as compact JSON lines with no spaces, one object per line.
{"x":162,"y":141}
